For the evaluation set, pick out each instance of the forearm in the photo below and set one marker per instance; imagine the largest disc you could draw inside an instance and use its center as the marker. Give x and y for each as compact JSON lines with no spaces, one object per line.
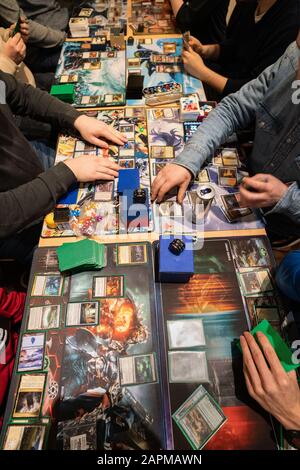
{"x":210,"y":51}
{"x":29,"y":202}
{"x":214,"y":80}
{"x":43,"y":36}
{"x":292,"y":421}
{"x":176,"y":5}
{"x":28,"y":101}
{"x":289,"y":204}
{"x":234,"y":112}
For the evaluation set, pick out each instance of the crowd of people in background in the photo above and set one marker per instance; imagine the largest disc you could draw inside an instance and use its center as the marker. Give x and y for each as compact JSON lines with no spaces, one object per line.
{"x":248,"y":64}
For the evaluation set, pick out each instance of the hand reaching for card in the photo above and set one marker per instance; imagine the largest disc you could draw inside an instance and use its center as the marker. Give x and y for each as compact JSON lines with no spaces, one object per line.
{"x":93,"y":131}
{"x":15,"y":49}
{"x":169,"y":177}
{"x":92,"y":168}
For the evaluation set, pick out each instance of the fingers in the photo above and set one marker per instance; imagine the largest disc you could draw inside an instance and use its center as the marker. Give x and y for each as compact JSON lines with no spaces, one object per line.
{"x":270,"y":355}
{"x":249,"y":199}
{"x":182,"y":191}
{"x":249,"y":365}
{"x":17,"y":38}
{"x":103,"y":176}
{"x":113,"y":135}
{"x":163,"y":190}
{"x":156,"y":186}
{"x":98,"y":142}
{"x":108,"y":172}
{"x":257,"y":357}
{"x":259,"y":185}
{"x":109,"y":164}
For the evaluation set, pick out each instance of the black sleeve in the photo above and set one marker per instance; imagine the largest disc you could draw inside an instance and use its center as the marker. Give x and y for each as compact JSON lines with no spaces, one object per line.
{"x":195,"y":13}
{"x":31,"y":201}
{"x":269,"y":54}
{"x":26,"y":100}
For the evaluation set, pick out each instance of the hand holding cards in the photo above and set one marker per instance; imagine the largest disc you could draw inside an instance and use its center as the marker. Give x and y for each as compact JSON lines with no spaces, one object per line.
{"x":186,"y":40}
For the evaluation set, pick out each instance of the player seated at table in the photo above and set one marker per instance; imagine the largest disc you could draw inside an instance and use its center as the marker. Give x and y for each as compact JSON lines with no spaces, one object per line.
{"x":13,"y":52}
{"x":272,"y":102}
{"x":257,"y":35}
{"x":205,"y":19}
{"x":276,"y":390}
{"x":45,"y":39}
{"x":27,"y":192}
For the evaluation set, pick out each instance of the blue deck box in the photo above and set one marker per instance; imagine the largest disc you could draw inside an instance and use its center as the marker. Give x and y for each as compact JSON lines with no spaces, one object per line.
{"x":174,"y":268}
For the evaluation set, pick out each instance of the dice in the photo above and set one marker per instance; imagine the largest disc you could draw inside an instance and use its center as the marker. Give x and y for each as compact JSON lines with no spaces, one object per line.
{"x":177,"y":246}
{"x":139,"y":196}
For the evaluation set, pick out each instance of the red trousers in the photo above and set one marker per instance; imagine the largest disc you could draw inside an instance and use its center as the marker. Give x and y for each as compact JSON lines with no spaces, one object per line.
{"x":11,"y":308}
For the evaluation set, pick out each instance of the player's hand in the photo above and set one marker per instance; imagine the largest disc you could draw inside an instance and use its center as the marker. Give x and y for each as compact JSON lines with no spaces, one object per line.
{"x":196,"y":45}
{"x":261,"y":190}
{"x":169,"y":177}
{"x":93,"y":131}
{"x":15,"y":49}
{"x":274,"y":389}
{"x":91,"y":168}
{"x":24,"y":28}
{"x":194,"y":64}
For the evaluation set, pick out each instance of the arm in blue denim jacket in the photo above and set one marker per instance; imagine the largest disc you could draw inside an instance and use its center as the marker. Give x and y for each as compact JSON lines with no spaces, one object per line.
{"x":289,"y":204}
{"x":234,"y":112}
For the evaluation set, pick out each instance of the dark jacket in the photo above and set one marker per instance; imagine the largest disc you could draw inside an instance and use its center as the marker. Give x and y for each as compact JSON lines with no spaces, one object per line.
{"x":249,"y":48}
{"x":205,"y":19}
{"x":26,"y":191}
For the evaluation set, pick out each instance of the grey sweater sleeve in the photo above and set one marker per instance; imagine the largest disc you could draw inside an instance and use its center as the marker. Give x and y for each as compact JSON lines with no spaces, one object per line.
{"x":39,"y":35}
{"x":31,"y":201}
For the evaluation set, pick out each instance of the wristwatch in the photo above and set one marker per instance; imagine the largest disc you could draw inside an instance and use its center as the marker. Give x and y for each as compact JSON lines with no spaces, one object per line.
{"x":293,"y":438}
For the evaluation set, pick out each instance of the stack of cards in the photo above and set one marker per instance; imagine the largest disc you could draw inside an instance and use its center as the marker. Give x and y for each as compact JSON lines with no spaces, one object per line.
{"x":64,"y":93}
{"x":189,"y":108}
{"x":79,"y":27}
{"x":84,"y":255}
{"x":282,"y":350}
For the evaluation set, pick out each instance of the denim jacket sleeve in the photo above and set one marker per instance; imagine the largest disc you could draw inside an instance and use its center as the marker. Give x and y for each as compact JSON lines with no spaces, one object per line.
{"x":234,"y":112}
{"x":289,"y":204}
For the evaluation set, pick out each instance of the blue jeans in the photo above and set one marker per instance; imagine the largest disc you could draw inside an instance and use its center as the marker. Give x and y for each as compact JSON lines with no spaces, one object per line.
{"x":45,"y":151}
{"x":288,"y":276}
